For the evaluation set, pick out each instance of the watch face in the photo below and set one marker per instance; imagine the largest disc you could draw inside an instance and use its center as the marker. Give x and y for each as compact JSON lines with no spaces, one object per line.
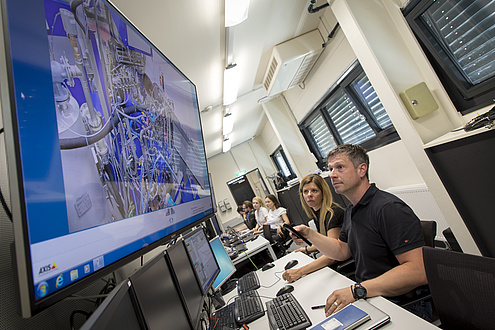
{"x":360,"y":292}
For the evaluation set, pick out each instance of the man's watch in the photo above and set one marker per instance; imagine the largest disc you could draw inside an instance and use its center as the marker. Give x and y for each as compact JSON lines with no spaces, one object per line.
{"x":358,"y":291}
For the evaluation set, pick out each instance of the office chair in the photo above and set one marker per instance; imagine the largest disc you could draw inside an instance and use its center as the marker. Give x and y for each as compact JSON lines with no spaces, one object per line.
{"x":462,"y":287}
{"x":451,"y":240}
{"x":280,"y":247}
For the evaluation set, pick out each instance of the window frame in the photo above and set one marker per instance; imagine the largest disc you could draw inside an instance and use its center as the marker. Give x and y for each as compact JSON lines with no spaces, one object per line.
{"x":382,"y":136}
{"x":280,"y":150}
{"x":465,"y":96}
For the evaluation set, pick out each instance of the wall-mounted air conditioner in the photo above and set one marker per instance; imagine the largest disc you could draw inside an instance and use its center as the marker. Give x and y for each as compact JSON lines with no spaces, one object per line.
{"x":291,"y":61}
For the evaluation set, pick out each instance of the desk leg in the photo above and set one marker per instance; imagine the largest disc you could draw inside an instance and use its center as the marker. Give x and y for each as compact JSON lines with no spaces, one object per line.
{"x":272,"y":253}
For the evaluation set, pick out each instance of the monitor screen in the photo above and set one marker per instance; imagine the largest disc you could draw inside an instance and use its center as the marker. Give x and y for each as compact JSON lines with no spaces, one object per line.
{"x":157,"y":296}
{"x":104,"y":145}
{"x":186,"y":279}
{"x":117,"y":311}
{"x":227,"y":268}
{"x":202,"y":258}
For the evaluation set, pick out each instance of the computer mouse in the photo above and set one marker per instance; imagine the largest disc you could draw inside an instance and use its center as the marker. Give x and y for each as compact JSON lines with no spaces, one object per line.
{"x":286,"y":289}
{"x":267,"y":266}
{"x":291,"y":264}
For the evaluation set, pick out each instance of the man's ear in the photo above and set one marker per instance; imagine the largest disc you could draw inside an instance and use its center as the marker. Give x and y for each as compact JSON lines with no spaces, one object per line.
{"x":362,"y":169}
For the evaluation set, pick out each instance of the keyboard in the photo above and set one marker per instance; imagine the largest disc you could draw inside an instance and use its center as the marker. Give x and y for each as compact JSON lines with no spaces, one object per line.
{"x":285,"y":313}
{"x":248,"y":282}
{"x":224,"y":319}
{"x":246,"y":308}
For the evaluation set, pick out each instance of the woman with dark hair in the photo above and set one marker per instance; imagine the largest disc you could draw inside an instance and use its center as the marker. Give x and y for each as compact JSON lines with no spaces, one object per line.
{"x":277,"y":216}
{"x":317,"y":201}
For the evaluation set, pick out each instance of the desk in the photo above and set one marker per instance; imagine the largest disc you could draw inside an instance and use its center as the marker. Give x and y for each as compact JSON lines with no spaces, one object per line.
{"x":313,"y":289}
{"x":254,"y":247}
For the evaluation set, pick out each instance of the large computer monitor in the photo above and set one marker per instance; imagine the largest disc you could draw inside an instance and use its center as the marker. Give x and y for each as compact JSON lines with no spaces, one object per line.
{"x":227,"y":268}
{"x":202,"y":258}
{"x":158,"y":297}
{"x":104,"y":144}
{"x":186,"y":280}
{"x":117,"y":311}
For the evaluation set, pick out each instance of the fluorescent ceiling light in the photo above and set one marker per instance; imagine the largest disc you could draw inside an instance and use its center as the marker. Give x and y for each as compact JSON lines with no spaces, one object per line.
{"x":227,"y":144}
{"x":236,"y":11}
{"x":230,"y":84}
{"x":228,"y":123}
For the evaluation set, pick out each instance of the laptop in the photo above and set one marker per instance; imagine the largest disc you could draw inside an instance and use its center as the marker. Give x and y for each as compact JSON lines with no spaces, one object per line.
{"x":378,"y":317}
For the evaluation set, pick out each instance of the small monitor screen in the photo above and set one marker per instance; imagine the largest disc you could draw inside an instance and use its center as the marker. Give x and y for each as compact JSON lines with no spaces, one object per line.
{"x":116,"y":312}
{"x":158,"y":297}
{"x":227,"y":268}
{"x":186,"y":279}
{"x":202,"y":258}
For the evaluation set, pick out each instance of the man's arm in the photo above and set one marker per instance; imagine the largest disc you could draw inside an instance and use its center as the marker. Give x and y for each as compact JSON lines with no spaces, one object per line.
{"x":329,"y":246}
{"x":401,"y":279}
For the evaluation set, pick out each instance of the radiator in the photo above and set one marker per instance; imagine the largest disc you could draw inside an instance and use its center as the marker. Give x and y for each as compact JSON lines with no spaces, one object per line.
{"x":420,"y":199}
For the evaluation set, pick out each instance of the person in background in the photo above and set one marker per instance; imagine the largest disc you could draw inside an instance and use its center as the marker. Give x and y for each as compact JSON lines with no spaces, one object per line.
{"x":250,"y":219}
{"x":317,"y":201}
{"x":277,"y":216}
{"x":380,"y":232}
{"x":260,"y":213}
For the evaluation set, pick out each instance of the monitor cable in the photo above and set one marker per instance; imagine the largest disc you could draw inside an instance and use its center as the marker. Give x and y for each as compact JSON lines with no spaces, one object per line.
{"x":2,"y":199}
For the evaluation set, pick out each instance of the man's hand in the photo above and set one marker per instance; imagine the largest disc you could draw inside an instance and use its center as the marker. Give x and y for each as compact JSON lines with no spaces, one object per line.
{"x":338,"y":300}
{"x":291,"y":275}
{"x":303,"y":230}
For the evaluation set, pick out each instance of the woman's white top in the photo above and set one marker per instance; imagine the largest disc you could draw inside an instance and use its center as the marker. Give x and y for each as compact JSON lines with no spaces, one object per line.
{"x":274,"y":218}
{"x":261,"y":215}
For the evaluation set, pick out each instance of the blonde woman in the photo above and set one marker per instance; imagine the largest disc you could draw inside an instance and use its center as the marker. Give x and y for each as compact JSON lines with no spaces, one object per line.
{"x":316,"y":199}
{"x":260,"y":212}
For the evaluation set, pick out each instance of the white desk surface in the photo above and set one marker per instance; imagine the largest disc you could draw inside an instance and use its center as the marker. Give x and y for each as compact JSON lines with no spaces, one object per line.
{"x":313,"y":289}
{"x":253,"y":247}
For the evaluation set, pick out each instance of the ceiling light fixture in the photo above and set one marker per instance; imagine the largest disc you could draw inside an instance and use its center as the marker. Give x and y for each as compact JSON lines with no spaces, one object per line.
{"x":228,"y":123}
{"x":230,"y":84}
{"x":227,"y":144}
{"x":236,"y":11}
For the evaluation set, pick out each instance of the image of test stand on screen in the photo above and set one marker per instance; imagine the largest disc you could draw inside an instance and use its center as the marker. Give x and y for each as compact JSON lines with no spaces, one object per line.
{"x":124,"y":149}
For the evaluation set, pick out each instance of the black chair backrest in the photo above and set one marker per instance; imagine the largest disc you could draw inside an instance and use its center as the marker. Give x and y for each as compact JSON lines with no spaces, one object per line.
{"x":267,"y":233}
{"x":462,"y":287}
{"x":429,"y":231}
{"x":451,"y":240}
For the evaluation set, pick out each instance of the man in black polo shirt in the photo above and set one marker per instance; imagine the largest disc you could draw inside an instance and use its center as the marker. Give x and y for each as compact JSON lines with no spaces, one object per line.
{"x":380,"y":232}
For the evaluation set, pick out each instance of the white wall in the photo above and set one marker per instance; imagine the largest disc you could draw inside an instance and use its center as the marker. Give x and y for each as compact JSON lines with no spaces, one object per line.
{"x":223,"y":168}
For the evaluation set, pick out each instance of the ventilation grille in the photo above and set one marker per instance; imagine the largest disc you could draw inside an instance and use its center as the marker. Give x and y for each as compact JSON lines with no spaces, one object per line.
{"x":291,"y":61}
{"x":272,"y":68}
{"x":306,"y":66}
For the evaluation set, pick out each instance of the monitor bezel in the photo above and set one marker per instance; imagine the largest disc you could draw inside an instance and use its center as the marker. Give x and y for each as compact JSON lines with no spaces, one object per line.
{"x":231,"y":273}
{"x":211,"y":280}
{"x":28,"y":305}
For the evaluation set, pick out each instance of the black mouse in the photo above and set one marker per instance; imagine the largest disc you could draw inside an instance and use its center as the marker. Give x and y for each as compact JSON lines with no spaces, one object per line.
{"x":291,"y":264}
{"x":267,"y":266}
{"x":286,"y":289}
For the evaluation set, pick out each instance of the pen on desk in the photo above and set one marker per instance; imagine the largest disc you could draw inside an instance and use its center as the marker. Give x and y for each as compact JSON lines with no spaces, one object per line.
{"x":318,"y":307}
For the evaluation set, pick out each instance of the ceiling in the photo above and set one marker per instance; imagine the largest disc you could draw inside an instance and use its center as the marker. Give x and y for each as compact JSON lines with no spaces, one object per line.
{"x":192,"y":35}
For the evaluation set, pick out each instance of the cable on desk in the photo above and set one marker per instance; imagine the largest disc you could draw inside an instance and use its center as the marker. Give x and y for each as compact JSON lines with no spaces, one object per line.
{"x":279,"y":278}
{"x":247,"y":255}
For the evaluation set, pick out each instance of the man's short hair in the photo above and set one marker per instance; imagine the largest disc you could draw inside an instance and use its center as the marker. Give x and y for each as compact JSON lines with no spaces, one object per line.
{"x":248,"y":204}
{"x":357,"y":155}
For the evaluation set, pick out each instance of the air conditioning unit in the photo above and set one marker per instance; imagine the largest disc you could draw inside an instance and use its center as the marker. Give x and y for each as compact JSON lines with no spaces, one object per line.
{"x":291,"y":61}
